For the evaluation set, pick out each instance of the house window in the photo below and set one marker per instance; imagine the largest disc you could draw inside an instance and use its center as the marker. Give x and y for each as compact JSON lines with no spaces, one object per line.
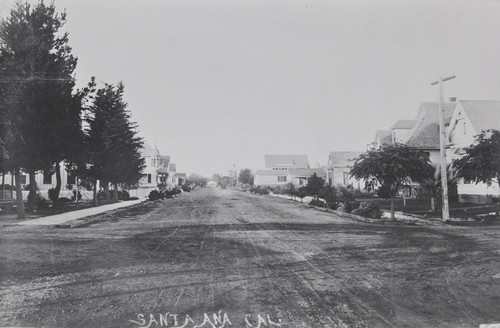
{"x":346,"y":178}
{"x":47,"y":177}
{"x":465,"y":129}
{"x":282,"y":178}
{"x":149,"y":178}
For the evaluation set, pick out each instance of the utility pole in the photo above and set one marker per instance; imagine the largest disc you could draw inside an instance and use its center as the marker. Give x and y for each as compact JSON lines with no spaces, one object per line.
{"x":442,"y":148}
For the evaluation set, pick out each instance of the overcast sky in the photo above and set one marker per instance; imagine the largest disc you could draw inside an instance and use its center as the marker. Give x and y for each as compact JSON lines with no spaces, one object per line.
{"x":218,"y":83}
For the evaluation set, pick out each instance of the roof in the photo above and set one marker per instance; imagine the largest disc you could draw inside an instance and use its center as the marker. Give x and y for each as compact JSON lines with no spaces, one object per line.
{"x":306,"y":173}
{"x":385,"y":137}
{"x":425,"y":133}
{"x":148,"y":151}
{"x":403,"y":124}
{"x":291,"y":161}
{"x":342,"y":158}
{"x":483,"y":114}
{"x":180,"y":175}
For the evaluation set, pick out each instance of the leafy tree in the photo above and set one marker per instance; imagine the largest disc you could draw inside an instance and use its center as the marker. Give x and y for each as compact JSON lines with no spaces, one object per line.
{"x":113,"y":145}
{"x":393,"y":166}
{"x":224,"y":182}
{"x":196,"y":180}
{"x":246,"y":177}
{"x":481,"y":162}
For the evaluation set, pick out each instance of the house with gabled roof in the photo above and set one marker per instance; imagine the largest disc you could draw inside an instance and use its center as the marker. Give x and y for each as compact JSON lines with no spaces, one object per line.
{"x":424,"y":134}
{"x":400,"y":129}
{"x":338,"y":167}
{"x":276,"y":172}
{"x":469,"y":119}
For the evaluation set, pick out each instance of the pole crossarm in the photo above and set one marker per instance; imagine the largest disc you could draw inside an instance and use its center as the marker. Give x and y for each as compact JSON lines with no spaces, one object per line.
{"x":444,"y":79}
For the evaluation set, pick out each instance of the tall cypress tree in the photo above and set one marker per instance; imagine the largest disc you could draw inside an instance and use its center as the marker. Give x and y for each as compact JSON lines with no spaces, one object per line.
{"x":113,"y":142}
{"x":37,"y":67}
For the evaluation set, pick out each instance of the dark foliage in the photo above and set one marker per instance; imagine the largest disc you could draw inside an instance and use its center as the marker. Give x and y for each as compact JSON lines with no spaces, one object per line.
{"x":368,"y":209}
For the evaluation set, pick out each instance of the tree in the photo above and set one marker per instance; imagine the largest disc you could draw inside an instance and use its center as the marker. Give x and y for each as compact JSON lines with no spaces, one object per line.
{"x":36,"y":67}
{"x":197,"y":180}
{"x":113,"y":145}
{"x":393,"y":166}
{"x":315,"y":184}
{"x":481,"y":162}
{"x":246,"y":177}
{"x":224,"y":182}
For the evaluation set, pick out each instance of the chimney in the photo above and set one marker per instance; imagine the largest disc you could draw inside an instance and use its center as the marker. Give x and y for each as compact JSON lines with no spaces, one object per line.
{"x":453,"y":99}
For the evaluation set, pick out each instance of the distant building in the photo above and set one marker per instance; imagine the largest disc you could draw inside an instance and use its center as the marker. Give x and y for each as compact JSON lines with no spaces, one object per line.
{"x":179,"y":179}
{"x":276,"y":172}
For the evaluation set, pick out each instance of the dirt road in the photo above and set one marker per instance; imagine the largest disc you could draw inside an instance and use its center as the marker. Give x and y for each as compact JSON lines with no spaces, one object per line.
{"x":216,"y":258}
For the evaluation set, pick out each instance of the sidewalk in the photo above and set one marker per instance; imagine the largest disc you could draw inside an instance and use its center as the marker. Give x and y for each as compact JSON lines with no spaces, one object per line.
{"x":75,"y":215}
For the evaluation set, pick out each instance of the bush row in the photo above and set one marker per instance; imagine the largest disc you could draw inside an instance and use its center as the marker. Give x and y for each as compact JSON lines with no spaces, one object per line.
{"x":156,"y":194}
{"x":337,"y":198}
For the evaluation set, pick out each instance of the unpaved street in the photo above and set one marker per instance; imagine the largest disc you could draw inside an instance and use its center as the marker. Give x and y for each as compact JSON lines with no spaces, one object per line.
{"x":214,"y":258}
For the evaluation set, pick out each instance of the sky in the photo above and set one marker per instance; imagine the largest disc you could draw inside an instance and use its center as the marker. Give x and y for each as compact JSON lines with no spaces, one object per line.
{"x":220,"y":83}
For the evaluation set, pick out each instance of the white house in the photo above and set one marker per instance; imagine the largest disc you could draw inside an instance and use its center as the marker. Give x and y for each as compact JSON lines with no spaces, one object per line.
{"x":469,"y":119}
{"x":339,"y":165}
{"x":424,"y":134}
{"x":276,"y":172}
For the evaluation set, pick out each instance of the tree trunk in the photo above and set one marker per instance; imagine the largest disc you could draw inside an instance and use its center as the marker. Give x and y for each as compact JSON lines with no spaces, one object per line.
{"x":106,"y":190}
{"x":58,"y":185}
{"x":19,"y":195}
{"x":3,"y":187}
{"x":393,"y":217}
{"x":433,"y":203}
{"x":32,"y":194}
{"x":77,"y":191}
{"x":95,"y":191}
{"x":116,"y":192}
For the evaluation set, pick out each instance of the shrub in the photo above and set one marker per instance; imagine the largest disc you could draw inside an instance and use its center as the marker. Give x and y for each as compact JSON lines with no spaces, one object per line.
{"x":369,"y":210}
{"x":350,"y":205}
{"x":186,"y":188}
{"x":154,"y":195}
{"x":329,"y":194}
{"x":52,"y":194}
{"x":40,"y":202}
{"x":65,"y":200}
{"x":345,"y":194}
{"x":261,"y":190}
{"x":123,"y":195}
{"x":317,"y":202}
